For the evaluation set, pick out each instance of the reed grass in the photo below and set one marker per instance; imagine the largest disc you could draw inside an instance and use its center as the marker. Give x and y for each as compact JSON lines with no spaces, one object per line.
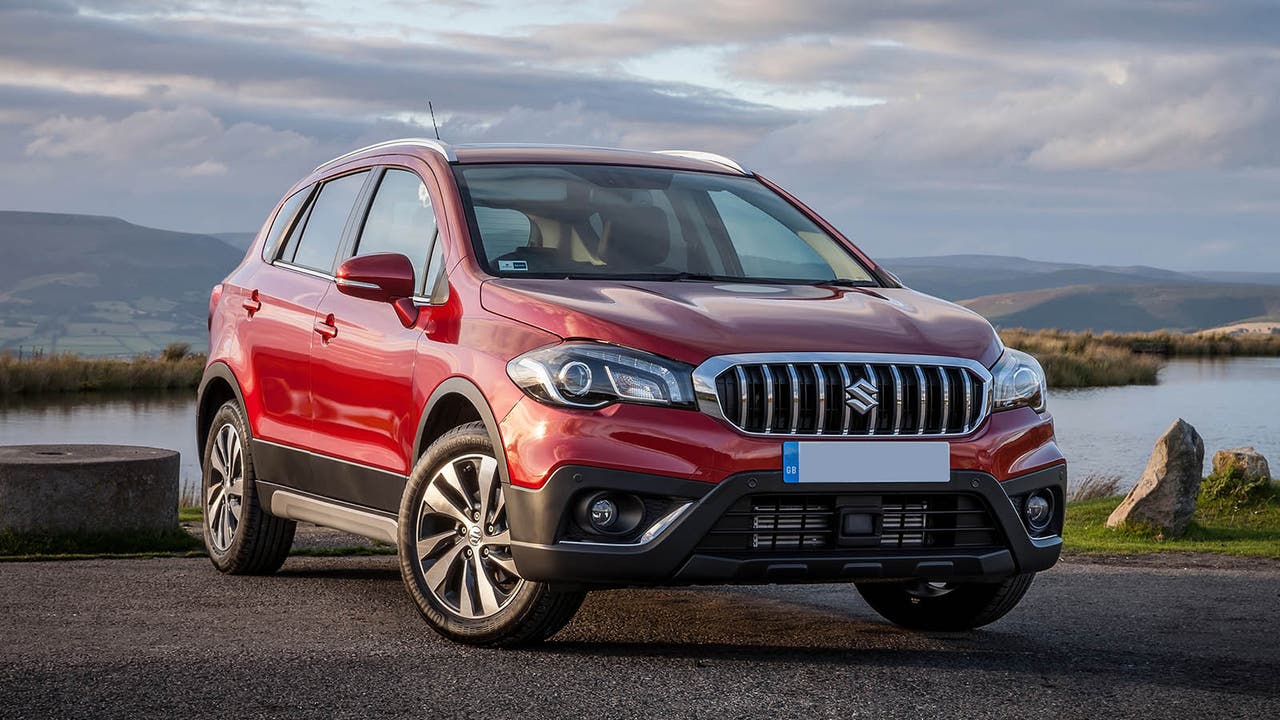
{"x":1085,"y":359}
{"x":72,"y":373}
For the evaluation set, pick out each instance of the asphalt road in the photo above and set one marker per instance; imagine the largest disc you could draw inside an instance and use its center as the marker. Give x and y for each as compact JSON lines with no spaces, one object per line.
{"x":338,"y":638}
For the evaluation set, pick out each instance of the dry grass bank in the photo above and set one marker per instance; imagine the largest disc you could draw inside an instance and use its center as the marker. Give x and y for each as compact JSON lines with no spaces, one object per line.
{"x":175,"y":369}
{"x":1073,"y":360}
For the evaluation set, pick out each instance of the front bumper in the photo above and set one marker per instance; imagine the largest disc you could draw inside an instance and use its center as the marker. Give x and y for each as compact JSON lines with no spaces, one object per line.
{"x":546,"y":547}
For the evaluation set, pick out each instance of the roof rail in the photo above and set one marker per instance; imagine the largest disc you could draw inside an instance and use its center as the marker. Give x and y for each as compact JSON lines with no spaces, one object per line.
{"x":440,"y":147}
{"x":708,"y":157}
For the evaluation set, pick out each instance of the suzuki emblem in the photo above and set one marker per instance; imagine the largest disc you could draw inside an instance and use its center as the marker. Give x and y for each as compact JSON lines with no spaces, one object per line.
{"x":861,"y":396}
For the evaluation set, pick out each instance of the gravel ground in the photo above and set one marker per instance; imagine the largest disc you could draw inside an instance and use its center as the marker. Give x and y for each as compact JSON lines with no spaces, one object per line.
{"x":337,"y":637}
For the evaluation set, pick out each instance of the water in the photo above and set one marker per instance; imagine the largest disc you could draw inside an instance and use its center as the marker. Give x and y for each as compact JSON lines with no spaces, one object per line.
{"x":164,"y":420}
{"x":1109,"y":431}
{"x":1231,"y":402}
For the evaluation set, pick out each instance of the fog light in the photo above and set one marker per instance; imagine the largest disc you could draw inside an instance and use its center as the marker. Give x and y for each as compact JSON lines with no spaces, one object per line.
{"x":603,"y":514}
{"x":1038,"y":510}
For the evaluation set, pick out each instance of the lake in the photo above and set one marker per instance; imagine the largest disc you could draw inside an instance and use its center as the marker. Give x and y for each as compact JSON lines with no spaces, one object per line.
{"x":1109,"y":431}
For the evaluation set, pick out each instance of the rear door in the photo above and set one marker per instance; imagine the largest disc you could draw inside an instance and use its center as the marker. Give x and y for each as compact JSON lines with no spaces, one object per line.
{"x":282,"y":308}
{"x":362,"y":377}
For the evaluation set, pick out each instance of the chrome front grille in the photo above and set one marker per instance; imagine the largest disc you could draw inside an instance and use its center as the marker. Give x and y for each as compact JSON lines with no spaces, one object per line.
{"x":838,"y":394}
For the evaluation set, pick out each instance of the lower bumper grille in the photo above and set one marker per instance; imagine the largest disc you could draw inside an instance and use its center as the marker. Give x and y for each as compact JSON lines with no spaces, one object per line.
{"x":776,"y":524}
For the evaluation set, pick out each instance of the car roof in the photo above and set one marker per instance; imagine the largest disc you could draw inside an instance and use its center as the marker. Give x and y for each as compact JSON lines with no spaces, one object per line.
{"x":480,"y":153}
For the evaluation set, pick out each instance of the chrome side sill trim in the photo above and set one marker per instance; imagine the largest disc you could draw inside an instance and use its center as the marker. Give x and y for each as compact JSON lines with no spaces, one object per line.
{"x":291,"y":506}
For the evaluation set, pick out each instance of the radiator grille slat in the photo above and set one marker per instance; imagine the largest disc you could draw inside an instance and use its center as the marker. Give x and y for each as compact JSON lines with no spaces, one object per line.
{"x":764,"y":524}
{"x":858,"y":400}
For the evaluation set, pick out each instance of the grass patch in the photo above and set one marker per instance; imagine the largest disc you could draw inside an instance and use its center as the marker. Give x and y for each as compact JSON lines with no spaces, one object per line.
{"x":137,"y":543}
{"x":175,"y":369}
{"x":1223,"y":526}
{"x":190,"y":514}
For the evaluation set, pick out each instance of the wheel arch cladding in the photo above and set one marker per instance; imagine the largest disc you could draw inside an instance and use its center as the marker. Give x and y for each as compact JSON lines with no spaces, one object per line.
{"x":218,"y":386}
{"x":457,"y":401}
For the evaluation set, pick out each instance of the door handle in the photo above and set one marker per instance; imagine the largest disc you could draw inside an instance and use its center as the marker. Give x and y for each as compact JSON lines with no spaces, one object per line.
{"x":326,"y":328}
{"x":252,"y":303}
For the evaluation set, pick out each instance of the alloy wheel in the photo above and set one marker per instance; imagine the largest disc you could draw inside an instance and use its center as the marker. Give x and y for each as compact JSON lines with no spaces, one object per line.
{"x":224,"y":496}
{"x":463,"y":540}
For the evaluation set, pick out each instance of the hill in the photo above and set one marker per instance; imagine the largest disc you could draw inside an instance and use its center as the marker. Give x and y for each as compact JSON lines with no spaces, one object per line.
{"x":1135,"y":308}
{"x":958,"y":277}
{"x":102,"y":286}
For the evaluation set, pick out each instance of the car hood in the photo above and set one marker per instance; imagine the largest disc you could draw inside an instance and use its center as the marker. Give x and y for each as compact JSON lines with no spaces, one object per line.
{"x":691,"y":321}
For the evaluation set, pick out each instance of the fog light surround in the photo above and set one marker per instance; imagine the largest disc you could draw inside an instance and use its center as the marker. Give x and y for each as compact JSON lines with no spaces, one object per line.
{"x":609,"y":513}
{"x":1037,"y":509}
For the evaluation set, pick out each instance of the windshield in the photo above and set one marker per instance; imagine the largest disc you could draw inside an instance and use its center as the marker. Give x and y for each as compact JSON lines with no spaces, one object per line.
{"x":605,"y":221}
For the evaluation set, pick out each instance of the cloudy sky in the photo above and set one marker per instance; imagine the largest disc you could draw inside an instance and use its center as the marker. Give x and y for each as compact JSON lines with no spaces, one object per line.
{"x":1101,"y":131}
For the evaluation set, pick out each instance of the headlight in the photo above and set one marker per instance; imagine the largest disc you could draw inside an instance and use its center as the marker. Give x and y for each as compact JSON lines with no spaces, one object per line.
{"x":1019,"y":382}
{"x":592,"y":375}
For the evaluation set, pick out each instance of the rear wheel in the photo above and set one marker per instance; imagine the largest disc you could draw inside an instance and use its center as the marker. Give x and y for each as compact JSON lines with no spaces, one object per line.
{"x":240,"y":537}
{"x":455,"y":549}
{"x":925,"y":605}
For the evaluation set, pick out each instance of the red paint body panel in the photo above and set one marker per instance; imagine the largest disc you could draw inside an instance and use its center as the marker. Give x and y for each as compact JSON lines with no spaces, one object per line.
{"x":688,"y":444}
{"x":692,"y":321}
{"x":360,"y":397}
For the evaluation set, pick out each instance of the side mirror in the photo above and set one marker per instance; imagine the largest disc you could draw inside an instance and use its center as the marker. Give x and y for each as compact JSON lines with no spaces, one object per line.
{"x":382,"y":277}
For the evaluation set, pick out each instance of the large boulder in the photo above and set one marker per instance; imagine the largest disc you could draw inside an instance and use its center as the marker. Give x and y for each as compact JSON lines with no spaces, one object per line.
{"x":1165,"y":497}
{"x":1250,"y":461}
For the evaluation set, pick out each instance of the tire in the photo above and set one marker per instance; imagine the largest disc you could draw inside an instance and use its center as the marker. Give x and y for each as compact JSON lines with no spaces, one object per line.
{"x":921,"y":605}
{"x":457,"y":569}
{"x":240,"y":537}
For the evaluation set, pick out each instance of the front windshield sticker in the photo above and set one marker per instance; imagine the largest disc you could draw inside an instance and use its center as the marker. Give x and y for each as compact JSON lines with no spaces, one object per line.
{"x":513,"y":265}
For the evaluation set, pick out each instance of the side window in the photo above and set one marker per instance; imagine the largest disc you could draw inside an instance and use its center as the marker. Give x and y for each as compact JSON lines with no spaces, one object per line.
{"x":282,"y":220}
{"x":318,"y":245}
{"x":400,"y":221}
{"x":766,"y":247}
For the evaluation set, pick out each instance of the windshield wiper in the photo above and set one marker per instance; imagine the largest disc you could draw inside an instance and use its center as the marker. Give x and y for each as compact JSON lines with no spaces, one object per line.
{"x":686,"y":276}
{"x":845,"y":282}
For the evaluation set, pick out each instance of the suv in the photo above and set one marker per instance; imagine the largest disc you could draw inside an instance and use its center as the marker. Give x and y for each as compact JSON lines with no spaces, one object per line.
{"x":543,"y":370}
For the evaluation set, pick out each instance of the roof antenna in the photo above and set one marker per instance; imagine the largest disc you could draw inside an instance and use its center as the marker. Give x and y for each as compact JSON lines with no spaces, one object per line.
{"x":433,"y":119}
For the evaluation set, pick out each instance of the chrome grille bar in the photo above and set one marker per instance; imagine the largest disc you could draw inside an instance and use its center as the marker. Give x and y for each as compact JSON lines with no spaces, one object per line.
{"x":924,"y":401}
{"x":897,"y":399}
{"x":848,"y":411}
{"x":795,"y":397}
{"x":820,"y":377}
{"x":768,"y":398}
{"x":946,"y":399}
{"x":735,"y":388}
{"x":744,"y":398}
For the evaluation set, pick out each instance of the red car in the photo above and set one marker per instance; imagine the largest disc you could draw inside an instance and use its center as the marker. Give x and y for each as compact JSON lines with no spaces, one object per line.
{"x":542,"y":370}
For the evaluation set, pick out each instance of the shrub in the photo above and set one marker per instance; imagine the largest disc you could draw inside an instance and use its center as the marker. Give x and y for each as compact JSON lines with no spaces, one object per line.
{"x":173,"y":352}
{"x":1231,"y":484}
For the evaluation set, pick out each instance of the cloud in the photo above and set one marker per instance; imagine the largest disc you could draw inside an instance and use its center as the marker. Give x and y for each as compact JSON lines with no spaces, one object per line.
{"x":1135,"y":126}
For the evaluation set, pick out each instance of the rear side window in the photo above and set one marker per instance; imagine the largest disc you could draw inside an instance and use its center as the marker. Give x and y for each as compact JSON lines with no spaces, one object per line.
{"x":282,"y":221}
{"x":400,"y":221}
{"x":318,"y":245}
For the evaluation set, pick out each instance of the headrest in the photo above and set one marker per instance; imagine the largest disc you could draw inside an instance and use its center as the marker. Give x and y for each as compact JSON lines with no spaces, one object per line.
{"x":636,"y":239}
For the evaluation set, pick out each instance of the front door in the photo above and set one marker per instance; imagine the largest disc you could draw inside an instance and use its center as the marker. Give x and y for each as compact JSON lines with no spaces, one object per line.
{"x":363,"y":407}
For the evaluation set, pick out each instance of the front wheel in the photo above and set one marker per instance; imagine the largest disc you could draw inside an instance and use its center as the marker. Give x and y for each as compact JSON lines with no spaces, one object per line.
{"x":925,"y":605}
{"x":455,"y":550}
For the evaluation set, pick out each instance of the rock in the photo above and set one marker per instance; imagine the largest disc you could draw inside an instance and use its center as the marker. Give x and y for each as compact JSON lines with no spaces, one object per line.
{"x":1166,"y":495}
{"x":56,"y":489}
{"x":1249,"y":460}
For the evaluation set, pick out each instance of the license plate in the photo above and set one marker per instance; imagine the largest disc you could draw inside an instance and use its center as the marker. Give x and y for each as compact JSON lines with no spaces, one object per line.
{"x":860,"y":461}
